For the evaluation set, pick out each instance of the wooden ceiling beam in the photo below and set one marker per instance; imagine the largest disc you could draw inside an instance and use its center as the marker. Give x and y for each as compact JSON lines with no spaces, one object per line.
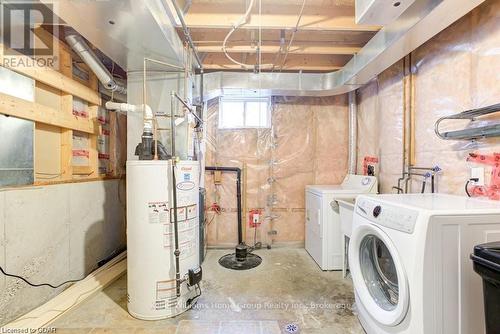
{"x":294,"y":68}
{"x":275,"y":16}
{"x":335,"y":38}
{"x":294,"y":62}
{"x":295,"y":49}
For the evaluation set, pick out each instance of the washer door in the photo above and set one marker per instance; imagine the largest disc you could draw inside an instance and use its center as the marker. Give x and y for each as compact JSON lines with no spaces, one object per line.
{"x":378,"y":275}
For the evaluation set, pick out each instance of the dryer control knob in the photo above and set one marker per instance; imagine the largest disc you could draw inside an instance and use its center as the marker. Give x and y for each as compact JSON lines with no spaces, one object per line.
{"x":376,"y":211}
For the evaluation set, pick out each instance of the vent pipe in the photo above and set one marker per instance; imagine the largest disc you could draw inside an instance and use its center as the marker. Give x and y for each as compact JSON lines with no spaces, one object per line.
{"x":353,"y":132}
{"x":77,"y":43}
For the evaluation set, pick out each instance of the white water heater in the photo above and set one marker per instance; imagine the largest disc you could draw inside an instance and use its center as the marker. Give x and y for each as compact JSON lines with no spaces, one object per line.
{"x":151,"y":271}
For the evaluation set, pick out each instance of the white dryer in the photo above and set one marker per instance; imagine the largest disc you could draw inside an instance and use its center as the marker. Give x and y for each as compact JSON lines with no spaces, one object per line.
{"x":409,"y":261}
{"x":322,"y":231}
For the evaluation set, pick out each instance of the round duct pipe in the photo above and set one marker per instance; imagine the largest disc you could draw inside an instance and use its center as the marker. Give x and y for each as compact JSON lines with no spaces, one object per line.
{"x":353,"y":132}
{"x":77,"y":43}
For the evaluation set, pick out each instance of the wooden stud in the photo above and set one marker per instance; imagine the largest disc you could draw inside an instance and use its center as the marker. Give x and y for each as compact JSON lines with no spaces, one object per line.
{"x":413,"y":158}
{"x":112,"y":144}
{"x":51,"y":78}
{"x":65,"y":66}
{"x":66,"y":154}
{"x":83,"y":170}
{"x":67,"y":140}
{"x":94,"y":154}
{"x":13,"y":106}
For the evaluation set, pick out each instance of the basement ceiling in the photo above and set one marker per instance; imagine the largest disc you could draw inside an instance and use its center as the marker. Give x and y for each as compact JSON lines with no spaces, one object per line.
{"x":327,"y":36}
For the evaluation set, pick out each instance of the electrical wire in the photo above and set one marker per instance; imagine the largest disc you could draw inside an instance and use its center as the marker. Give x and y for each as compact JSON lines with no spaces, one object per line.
{"x":238,"y":24}
{"x":467,"y":188}
{"x":194,"y":300}
{"x":41,"y":284}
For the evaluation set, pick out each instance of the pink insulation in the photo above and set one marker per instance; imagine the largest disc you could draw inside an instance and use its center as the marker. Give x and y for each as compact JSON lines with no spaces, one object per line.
{"x":455,"y":71}
{"x":307,"y":144}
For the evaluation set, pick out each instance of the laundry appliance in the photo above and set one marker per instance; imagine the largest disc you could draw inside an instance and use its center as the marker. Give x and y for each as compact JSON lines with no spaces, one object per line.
{"x":323,"y":234}
{"x":409,"y":261}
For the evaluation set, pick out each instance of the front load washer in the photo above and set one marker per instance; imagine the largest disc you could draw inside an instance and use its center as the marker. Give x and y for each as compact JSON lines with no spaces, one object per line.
{"x":323,"y":235}
{"x":409,"y":261}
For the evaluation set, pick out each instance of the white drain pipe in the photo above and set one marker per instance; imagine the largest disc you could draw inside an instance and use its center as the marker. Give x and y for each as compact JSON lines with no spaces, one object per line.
{"x":126,"y":108}
{"x":353,"y":132}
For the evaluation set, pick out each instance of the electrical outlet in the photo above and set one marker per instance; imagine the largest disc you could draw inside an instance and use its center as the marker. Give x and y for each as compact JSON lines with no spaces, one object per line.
{"x":477,"y":173}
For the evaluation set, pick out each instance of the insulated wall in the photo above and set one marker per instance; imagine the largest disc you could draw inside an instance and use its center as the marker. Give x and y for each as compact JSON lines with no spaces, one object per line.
{"x":455,"y":71}
{"x":307,"y":144}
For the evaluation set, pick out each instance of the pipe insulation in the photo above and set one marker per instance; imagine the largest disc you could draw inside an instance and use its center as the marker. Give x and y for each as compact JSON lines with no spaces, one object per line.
{"x":353,"y":132}
{"x":88,"y":56}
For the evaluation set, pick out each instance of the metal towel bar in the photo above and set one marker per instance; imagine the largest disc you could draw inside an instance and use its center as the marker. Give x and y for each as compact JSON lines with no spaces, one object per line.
{"x":491,"y":130}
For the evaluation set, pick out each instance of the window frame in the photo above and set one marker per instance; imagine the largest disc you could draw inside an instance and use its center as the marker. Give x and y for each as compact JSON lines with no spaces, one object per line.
{"x":244,"y":100}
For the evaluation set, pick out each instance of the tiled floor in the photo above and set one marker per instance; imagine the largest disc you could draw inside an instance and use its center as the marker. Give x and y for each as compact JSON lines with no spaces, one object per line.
{"x":286,"y":292}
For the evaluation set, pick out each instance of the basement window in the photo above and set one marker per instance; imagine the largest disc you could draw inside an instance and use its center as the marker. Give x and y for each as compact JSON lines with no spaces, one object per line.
{"x":244,"y":113}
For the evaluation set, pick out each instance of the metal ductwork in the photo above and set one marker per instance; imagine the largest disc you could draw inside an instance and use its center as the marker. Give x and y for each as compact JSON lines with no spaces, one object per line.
{"x":124,"y":42}
{"x":353,"y":132}
{"x":419,"y":23}
{"x":77,"y":43}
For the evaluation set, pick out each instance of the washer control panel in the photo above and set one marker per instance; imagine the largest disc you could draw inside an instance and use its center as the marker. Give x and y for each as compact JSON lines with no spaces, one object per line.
{"x":398,"y":218}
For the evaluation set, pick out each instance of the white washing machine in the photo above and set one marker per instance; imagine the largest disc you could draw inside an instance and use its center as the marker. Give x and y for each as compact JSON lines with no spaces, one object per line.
{"x":323,"y":235}
{"x":409,"y":261}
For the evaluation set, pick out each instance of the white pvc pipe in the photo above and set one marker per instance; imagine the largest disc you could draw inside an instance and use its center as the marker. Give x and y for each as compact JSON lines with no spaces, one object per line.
{"x":131,"y":108}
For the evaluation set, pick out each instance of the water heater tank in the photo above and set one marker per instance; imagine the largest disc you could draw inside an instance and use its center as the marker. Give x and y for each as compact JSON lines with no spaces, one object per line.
{"x":151,"y":284}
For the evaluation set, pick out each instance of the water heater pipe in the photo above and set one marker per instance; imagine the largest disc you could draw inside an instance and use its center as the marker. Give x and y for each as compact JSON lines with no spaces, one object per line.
{"x":353,"y":132}
{"x":187,"y":34}
{"x":238,"y":194}
{"x":125,"y":108}
{"x":177,"y":252}
{"x":77,"y":43}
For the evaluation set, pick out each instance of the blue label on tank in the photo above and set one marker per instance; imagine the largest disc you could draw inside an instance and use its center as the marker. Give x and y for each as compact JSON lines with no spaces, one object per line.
{"x":187,"y":177}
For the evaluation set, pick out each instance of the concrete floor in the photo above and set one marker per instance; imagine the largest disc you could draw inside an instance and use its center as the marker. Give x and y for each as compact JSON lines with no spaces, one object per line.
{"x":287,"y":289}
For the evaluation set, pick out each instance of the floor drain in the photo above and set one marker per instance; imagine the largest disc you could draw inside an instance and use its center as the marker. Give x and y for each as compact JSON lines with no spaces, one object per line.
{"x":291,"y":328}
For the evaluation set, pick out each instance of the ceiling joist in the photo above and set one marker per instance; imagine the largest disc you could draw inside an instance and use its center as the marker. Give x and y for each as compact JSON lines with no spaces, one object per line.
{"x":325,"y":40}
{"x":332,"y":18}
{"x":295,"y":49}
{"x":294,"y":62}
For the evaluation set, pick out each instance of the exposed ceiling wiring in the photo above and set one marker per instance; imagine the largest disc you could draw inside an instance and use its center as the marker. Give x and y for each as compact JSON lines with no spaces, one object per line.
{"x":287,"y":51}
{"x":242,"y":21}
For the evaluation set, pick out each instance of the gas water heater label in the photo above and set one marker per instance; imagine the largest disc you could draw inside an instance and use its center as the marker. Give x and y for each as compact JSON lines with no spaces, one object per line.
{"x":158,"y":212}
{"x":186,"y":185}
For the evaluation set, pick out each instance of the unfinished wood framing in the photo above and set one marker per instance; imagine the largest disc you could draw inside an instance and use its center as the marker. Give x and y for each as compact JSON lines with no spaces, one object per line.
{"x":13,"y":106}
{"x":326,"y":30}
{"x":54,"y":117}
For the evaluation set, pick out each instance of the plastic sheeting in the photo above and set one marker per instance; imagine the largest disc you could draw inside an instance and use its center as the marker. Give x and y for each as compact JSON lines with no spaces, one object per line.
{"x":307,"y":144}
{"x":455,"y":71}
